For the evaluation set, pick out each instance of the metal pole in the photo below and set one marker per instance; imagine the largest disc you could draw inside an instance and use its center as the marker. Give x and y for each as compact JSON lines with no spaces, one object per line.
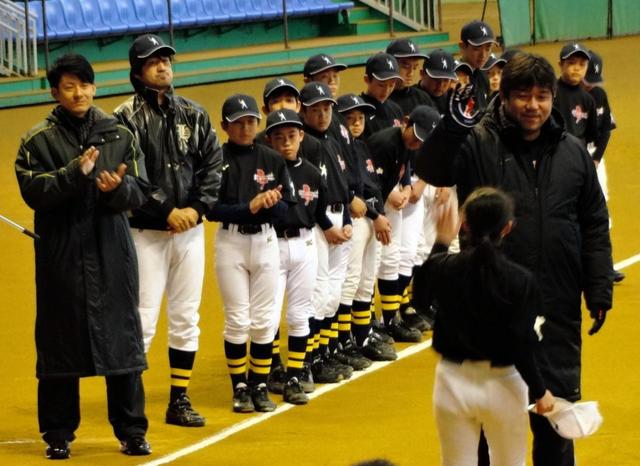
{"x":46,"y":35}
{"x":484,"y":10}
{"x":533,"y":22}
{"x":19,"y":227}
{"x":285,"y":24}
{"x":170,"y":22}
{"x":439,"y":15}
{"x":27,"y":35}
{"x":391,"y":34}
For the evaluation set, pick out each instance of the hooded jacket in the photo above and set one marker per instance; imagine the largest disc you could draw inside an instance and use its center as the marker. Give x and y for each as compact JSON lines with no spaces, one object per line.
{"x":561,"y":230}
{"x":87,"y":320}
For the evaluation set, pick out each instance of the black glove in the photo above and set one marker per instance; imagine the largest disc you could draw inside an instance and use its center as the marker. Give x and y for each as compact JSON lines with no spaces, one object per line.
{"x":598,"y":320}
{"x":462,"y":106}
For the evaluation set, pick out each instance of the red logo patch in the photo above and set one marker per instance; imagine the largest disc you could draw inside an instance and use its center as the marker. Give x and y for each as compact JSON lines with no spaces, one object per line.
{"x":578,"y":114}
{"x":306,"y":194}
{"x":262,"y":179}
{"x":370,"y":167}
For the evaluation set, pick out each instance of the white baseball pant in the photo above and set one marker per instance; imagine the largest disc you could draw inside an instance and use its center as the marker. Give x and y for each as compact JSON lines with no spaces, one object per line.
{"x":247,"y":268}
{"x":412,"y":225}
{"x":389,"y":267}
{"x":361,"y":265}
{"x":175,"y":263}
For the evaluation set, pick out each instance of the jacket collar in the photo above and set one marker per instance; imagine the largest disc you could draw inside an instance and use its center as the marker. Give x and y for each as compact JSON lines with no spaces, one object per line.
{"x":151,"y":97}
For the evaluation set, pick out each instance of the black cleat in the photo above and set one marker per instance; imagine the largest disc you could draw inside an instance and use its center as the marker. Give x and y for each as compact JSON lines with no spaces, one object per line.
{"x":58,"y":450}
{"x":276,"y":379}
{"x":343,"y":369}
{"x":181,"y":413}
{"x":261,"y":400}
{"x":377,"y":350}
{"x":401,"y":332}
{"x":135,"y":446}
{"x":325,"y":373}
{"x":242,"y":402}
{"x":293,"y":392}
{"x":306,"y":378}
{"x":381,"y":333}
{"x":351,"y":356}
{"x":618,"y":276}
{"x":415,"y":320}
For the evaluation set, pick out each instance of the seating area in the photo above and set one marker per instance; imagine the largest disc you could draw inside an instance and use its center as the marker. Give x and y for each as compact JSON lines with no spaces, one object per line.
{"x":87,"y":19}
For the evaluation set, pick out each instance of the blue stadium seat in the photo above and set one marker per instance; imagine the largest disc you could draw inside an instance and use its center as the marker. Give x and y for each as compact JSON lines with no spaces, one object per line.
{"x":205,"y":14}
{"x":93,"y":19}
{"x":231,"y":11}
{"x":334,"y":7}
{"x":268,"y":9}
{"x":181,"y":14}
{"x":146,"y":14}
{"x":110,"y":16}
{"x":57,"y":28}
{"x":35,"y":6}
{"x":128,"y":16}
{"x":297,"y":8}
{"x":74,"y":19}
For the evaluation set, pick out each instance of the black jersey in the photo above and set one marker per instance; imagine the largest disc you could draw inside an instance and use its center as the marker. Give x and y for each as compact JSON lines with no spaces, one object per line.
{"x":390,"y":159}
{"x":578,"y":109}
{"x":604,"y":120}
{"x":310,"y":193}
{"x":387,"y":114}
{"x":440,"y":103}
{"x":339,"y":132}
{"x":246,"y":172}
{"x":482,"y":90}
{"x":371,"y":183}
{"x":409,"y":98}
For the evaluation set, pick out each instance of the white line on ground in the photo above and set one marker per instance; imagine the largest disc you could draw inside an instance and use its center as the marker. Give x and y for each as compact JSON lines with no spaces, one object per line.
{"x":240,"y":426}
{"x":627,"y":262}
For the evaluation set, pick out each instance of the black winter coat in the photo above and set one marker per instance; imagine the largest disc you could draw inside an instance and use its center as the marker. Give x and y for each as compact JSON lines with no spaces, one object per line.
{"x":87,"y":320}
{"x":561,"y":232}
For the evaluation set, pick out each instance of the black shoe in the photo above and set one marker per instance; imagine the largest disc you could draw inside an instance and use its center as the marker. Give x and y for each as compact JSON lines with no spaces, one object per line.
{"x":351,"y":356}
{"x":403,"y":333}
{"x":276,"y":379}
{"x":306,"y":378}
{"x":377,"y":350}
{"x":261,"y":400}
{"x":181,"y":413}
{"x":381,"y":334}
{"x":415,"y":320}
{"x":293,"y":392}
{"x":58,"y":450}
{"x":135,"y":446}
{"x":242,"y":402}
{"x":618,"y":276}
{"x":325,"y":373}
{"x":343,"y":369}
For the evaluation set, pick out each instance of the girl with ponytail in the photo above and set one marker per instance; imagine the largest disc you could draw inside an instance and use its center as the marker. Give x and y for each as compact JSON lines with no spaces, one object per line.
{"x":486,"y":330}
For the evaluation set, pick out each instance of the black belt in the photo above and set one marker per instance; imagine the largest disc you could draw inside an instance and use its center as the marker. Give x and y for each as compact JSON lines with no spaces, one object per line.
{"x":245,"y":229}
{"x":336,"y":208}
{"x":459,"y":361}
{"x":288,"y":232}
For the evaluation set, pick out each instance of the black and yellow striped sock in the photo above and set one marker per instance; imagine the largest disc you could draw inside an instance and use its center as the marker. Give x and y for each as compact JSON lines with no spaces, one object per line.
{"x":275,"y":352}
{"x":389,"y":298}
{"x":310,"y":340}
{"x":236,"y":355}
{"x":259,"y":362}
{"x":403,"y":287}
{"x":295,"y":359}
{"x":181,"y":363}
{"x":317,"y":328}
{"x":325,"y":335}
{"x":360,"y":321}
{"x":344,"y":323}
{"x":333,"y":337}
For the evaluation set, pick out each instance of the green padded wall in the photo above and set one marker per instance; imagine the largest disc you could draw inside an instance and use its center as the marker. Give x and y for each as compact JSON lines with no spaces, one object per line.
{"x":626,"y":17}
{"x":571,"y":19}
{"x":514,"y":22}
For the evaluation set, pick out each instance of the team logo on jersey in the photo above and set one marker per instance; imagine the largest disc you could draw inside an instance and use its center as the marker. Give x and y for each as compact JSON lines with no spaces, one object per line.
{"x":379,"y":171}
{"x":343,"y":165}
{"x":600,"y":111}
{"x":184,"y":133}
{"x":345,"y":133}
{"x":370,"y":167}
{"x":262,"y":179}
{"x":323,"y":170}
{"x":578,"y":114}
{"x":307,"y":194}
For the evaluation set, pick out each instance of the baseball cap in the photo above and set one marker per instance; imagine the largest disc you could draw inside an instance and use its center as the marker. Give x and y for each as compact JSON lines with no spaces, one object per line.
{"x":238,"y":106}
{"x":440,"y":65}
{"x":315,"y":92}
{"x":404,"y":48}
{"x":319,"y":63}
{"x":284,"y":117}
{"x":146,"y":45}
{"x":349,"y":102}
{"x":463,"y":66}
{"x":594,"y":70}
{"x":424,"y":119}
{"x":509,"y":54}
{"x":477,"y":33}
{"x":492,"y":61}
{"x":573,"y":420}
{"x":383,"y":66}
{"x":572,"y":48}
{"x":279,"y":83}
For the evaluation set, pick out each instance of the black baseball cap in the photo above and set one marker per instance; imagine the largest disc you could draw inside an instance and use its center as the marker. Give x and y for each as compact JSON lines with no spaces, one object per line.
{"x":319,"y":63}
{"x":440,"y":65}
{"x":146,"y":45}
{"x":594,"y":70}
{"x":424,"y":120}
{"x":383,"y":66}
{"x":277,"y":84}
{"x":572,"y":48}
{"x":238,"y":106}
{"x":350,"y":102}
{"x":315,"y":92}
{"x":284,"y":117}
{"x":477,"y":33}
{"x":463,"y":66}
{"x":404,"y":48}
{"x":493,"y":61}
{"x":509,"y":54}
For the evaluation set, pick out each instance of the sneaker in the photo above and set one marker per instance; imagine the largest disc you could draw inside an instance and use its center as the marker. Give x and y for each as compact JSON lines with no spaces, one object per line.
{"x":325,"y":373}
{"x":276,"y":379}
{"x":343,"y":369}
{"x":306,"y":378}
{"x":135,"y":446}
{"x":377,"y":350}
{"x":293,"y":392}
{"x":261,"y":400}
{"x":181,"y":413}
{"x":242,"y":402}
{"x":351,"y":356}
{"x":58,"y":450}
{"x":400,"y":331}
{"x":415,"y":320}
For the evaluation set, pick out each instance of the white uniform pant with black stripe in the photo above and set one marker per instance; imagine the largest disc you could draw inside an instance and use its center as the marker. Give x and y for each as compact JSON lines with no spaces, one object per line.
{"x":361,"y":265}
{"x":332,"y":268}
{"x":175,"y":263}
{"x":473,"y":395}
{"x":247,"y":268}
{"x":298,"y":271}
{"x":390,"y":254}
